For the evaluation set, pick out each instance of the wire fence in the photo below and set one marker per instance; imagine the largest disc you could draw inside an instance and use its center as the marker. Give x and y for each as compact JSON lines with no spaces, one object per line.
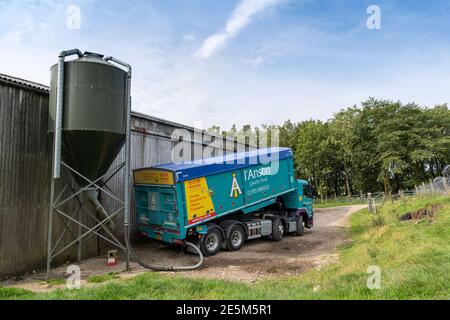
{"x":438,"y":187}
{"x":341,"y":201}
{"x":376,"y":200}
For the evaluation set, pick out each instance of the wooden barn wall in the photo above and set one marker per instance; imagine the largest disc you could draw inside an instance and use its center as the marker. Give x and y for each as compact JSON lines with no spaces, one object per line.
{"x":25,"y":168}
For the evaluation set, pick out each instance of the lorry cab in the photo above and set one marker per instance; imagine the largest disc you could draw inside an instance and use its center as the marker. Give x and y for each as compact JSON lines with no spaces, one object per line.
{"x":306,"y":196}
{"x":301,"y":202}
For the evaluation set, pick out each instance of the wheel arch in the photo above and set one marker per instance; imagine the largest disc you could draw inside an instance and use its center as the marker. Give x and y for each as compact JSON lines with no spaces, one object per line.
{"x":216,"y":226}
{"x":303,"y":212}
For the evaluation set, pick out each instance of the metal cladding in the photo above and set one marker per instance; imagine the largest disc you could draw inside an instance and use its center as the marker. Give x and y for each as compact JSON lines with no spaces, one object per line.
{"x":94,"y":114}
{"x":25,"y":156}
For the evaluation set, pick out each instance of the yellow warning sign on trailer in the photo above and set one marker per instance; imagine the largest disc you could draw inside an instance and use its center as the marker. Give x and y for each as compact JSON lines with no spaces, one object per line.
{"x":198,"y":201}
{"x":154,"y":177}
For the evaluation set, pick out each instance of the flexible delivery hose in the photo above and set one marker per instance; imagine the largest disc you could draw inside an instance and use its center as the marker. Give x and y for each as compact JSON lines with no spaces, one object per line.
{"x":160,"y":267}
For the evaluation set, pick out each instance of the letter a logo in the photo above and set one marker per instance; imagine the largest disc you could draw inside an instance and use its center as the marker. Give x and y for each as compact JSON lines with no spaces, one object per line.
{"x":153,"y":204}
{"x":235,"y":189}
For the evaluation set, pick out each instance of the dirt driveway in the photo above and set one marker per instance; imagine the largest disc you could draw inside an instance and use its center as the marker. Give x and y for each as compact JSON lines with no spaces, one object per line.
{"x":259,"y":259}
{"x":267,"y":259}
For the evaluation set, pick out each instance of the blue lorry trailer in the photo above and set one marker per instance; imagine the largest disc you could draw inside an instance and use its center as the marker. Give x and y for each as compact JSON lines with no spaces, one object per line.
{"x":219,"y":203}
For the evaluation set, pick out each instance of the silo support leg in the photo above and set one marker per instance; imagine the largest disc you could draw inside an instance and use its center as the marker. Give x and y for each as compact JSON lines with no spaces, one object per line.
{"x":50,"y":229}
{"x":79,"y":237}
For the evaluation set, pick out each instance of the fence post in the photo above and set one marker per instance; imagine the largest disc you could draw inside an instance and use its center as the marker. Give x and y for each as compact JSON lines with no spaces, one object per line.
{"x":370,"y":203}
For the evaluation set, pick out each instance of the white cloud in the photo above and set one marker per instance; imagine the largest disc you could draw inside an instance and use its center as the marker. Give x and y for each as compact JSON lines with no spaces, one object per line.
{"x":33,"y":21}
{"x":262,"y":57}
{"x":240,"y":18}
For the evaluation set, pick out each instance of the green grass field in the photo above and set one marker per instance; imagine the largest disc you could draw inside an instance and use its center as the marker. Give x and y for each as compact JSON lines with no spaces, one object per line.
{"x":414,"y":258}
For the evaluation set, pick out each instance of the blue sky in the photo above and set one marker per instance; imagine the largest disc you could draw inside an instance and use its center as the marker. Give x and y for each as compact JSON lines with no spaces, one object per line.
{"x":204,"y":62}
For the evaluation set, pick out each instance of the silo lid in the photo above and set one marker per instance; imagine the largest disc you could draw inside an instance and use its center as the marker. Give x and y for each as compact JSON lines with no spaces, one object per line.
{"x":92,"y":57}
{"x":93,"y":54}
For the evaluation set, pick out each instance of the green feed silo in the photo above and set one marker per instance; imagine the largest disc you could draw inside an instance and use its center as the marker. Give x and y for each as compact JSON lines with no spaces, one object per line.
{"x":94,"y":114}
{"x":90,"y":123}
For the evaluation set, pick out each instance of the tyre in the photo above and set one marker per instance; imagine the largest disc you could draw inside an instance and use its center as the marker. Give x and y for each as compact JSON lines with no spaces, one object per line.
{"x":211,"y":242}
{"x":236,"y":238}
{"x":277,"y":229}
{"x":300,"y":227}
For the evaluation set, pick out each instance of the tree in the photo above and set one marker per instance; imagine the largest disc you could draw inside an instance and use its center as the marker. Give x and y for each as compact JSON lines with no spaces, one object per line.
{"x":380,"y":146}
{"x":343,"y":136}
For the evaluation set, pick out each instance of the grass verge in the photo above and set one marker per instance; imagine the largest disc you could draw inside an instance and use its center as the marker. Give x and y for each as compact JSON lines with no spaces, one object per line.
{"x":102,"y":278}
{"x":413,"y":256}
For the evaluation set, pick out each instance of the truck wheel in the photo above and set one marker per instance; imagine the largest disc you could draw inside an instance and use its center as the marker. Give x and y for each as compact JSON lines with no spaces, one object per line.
{"x":300,"y":227}
{"x":211,"y":242}
{"x":236,"y":238}
{"x":277,"y":229}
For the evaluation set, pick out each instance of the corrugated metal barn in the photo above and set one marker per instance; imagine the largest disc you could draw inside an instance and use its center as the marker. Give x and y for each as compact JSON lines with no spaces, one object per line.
{"x":25,"y":170}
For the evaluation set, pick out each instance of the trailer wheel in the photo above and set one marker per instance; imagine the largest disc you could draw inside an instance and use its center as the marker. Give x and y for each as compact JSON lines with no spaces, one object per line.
{"x":277,"y":229}
{"x":300,"y":226}
{"x":211,"y":242}
{"x":236,"y":238}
